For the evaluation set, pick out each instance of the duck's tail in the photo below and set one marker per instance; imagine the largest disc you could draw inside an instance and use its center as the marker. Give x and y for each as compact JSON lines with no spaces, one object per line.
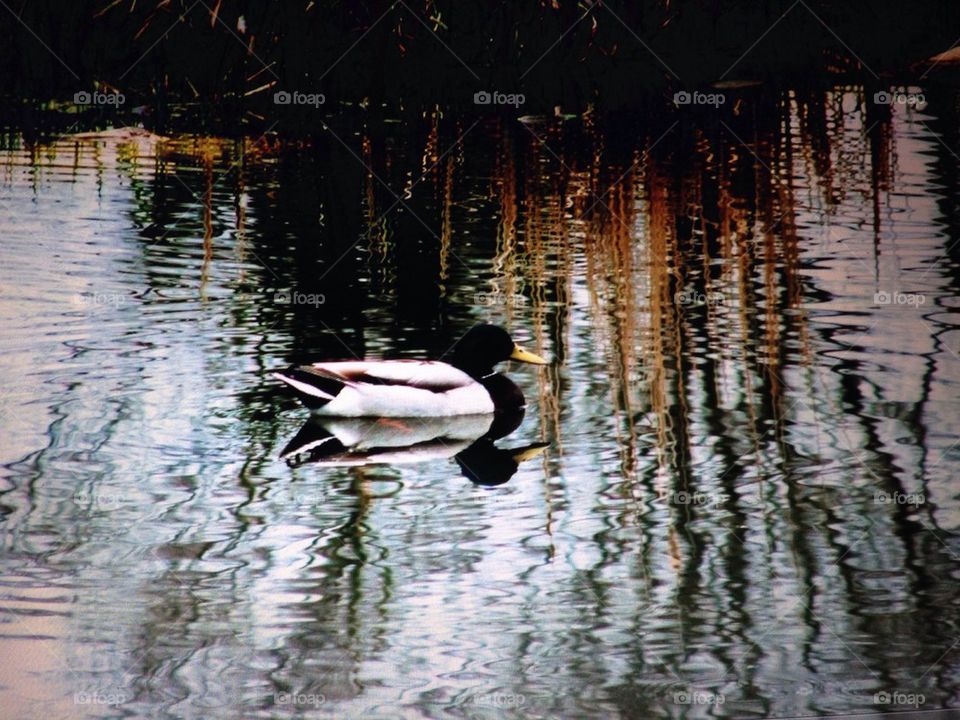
{"x":313,"y":387}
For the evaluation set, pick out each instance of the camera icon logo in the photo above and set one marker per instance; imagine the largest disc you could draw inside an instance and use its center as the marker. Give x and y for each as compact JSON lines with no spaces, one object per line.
{"x":282,"y":298}
{"x":882,"y":298}
{"x":82,"y":98}
{"x":882,"y":97}
{"x":482,"y":97}
{"x":882,"y":698}
{"x":681,"y":97}
{"x":281,"y":97}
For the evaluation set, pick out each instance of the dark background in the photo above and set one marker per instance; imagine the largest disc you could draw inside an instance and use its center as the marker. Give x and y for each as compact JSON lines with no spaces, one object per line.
{"x":196,"y":63}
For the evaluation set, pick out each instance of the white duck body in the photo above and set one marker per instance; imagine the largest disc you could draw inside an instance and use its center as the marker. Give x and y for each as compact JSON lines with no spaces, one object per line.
{"x":388,"y":388}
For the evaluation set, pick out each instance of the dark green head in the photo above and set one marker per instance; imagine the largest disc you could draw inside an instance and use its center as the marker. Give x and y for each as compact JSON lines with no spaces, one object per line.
{"x":486,"y":345}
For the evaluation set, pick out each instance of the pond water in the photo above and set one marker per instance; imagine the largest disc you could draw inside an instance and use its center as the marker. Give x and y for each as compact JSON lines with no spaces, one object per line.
{"x":747,"y":505}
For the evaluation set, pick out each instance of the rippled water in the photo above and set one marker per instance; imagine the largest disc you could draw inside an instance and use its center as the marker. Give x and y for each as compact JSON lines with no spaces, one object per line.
{"x":748,"y":505}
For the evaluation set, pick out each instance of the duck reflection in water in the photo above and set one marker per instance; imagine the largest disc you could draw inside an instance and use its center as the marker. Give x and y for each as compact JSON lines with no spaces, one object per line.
{"x":468,"y":439}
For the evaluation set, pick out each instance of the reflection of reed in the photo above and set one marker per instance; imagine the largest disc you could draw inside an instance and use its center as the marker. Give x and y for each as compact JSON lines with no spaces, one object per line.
{"x":207,"y":225}
{"x":614,"y":281}
{"x":375,"y":223}
{"x":549,"y":289}
{"x":663,"y":328}
{"x":692,"y":262}
{"x":446,"y":224}
{"x":506,"y":264}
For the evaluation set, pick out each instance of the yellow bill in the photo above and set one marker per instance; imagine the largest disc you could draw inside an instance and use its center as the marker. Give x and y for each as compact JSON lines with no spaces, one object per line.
{"x":521,"y":355}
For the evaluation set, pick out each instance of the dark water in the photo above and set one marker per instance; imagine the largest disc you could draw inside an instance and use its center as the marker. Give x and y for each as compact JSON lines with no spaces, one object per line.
{"x":749,"y":503}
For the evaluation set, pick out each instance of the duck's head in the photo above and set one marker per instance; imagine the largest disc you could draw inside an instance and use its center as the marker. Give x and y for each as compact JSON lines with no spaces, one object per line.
{"x":486,"y":345}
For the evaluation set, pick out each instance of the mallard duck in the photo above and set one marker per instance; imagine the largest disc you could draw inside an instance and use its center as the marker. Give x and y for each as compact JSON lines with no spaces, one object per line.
{"x":467,"y":385}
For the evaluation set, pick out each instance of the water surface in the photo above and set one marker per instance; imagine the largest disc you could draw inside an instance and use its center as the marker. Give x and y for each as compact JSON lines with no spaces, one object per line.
{"x":748,"y":506}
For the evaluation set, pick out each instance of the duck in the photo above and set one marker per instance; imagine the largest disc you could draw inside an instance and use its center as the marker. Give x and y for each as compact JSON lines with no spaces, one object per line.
{"x":466,"y":385}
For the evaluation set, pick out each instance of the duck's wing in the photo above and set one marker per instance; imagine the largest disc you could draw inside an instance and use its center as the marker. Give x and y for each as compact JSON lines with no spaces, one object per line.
{"x":438,"y":377}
